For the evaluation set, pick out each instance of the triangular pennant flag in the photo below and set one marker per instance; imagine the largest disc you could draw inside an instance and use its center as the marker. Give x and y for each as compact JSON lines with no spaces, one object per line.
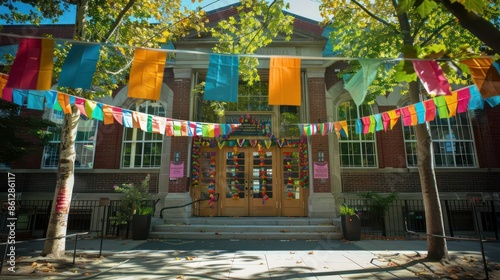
{"x":211,"y":131}
{"x":394,"y":115}
{"x":476,"y":101}
{"x":97,"y":113}
{"x":344,"y":131}
{"x":359,"y":83}
{"x":413,"y":112}
{"x":161,"y":125}
{"x":146,"y":74}
{"x":452,"y":103}
{"x":64,"y":102}
{"x":386,"y":119}
{"x":240,"y":142}
{"x":136,"y":122}
{"x":253,"y":143}
{"x":169,"y":128}
{"x":143,"y":121}
{"x":118,"y":114}
{"x":108,"y":114}
{"x":184,"y":128}
{"x":50,"y":98}
{"x":405,"y":112}
{"x":90,"y":107}
{"x":32,"y":67}
{"x":432,"y":77}
{"x":485,"y":75}
{"x":442,"y":108}
{"x":177,"y":128}
{"x":155,"y":124}
{"x":221,"y":143}
{"x":36,"y":99}
{"x":205,"y":130}
{"x":79,"y":66}
{"x":127,"y":118}
{"x":463,"y":96}
{"x":493,"y":101}
{"x":359,"y":126}
{"x":80,"y":104}
{"x":191,"y":128}
{"x":420,"y":109}
{"x":280,"y":142}
{"x":268,"y":143}
{"x":366,"y":124}
{"x":430,"y":110}
{"x":373,"y":124}
{"x":284,"y":81}
{"x":19,"y":96}
{"x":221,"y":83}
{"x":199,"y":129}
{"x":216,"y":130}
{"x":3,"y":83}
{"x":379,"y":124}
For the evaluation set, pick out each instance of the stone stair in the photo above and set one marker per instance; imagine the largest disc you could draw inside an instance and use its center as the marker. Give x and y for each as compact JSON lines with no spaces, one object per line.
{"x":256,"y":228}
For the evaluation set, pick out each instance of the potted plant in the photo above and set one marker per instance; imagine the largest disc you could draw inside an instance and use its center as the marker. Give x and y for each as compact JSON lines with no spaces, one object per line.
{"x":376,"y":208}
{"x":351,"y":224}
{"x":136,"y":207}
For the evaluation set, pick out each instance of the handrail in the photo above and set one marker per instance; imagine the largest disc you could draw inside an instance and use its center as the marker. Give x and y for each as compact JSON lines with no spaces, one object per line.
{"x":41,"y":239}
{"x":216,"y":195}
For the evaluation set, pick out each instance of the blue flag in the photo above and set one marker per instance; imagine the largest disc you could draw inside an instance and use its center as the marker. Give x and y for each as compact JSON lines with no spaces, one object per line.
{"x":221,"y":83}
{"x":79,"y":66}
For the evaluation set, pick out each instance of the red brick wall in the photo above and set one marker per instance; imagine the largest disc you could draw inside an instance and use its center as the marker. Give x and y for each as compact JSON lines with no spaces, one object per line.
{"x":390,"y":145}
{"x":317,"y":113}
{"x":108,"y":146}
{"x":84,"y":182}
{"x":181,"y":102}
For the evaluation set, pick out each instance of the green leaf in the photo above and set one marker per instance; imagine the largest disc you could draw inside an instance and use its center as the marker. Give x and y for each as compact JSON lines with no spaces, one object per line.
{"x":404,"y":6}
{"x":426,"y":8}
{"x":476,"y":6}
{"x":405,"y":72}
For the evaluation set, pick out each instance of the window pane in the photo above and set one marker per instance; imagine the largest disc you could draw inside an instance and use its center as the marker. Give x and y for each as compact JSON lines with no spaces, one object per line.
{"x":358,"y":150}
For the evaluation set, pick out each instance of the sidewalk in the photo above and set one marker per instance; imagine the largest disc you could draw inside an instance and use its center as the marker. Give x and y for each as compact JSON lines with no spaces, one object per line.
{"x":251,"y":259}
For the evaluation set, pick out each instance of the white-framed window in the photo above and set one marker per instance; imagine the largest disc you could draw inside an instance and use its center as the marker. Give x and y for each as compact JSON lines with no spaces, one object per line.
{"x":452,"y":142}
{"x":84,"y":144}
{"x":357,"y":150}
{"x":143,"y":149}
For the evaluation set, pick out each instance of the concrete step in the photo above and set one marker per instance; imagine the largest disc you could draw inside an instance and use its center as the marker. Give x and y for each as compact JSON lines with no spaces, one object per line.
{"x":257,"y":228}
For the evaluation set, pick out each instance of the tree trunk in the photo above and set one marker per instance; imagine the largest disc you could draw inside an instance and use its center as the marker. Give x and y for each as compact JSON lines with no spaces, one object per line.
{"x":436,"y":246}
{"x":58,"y":222}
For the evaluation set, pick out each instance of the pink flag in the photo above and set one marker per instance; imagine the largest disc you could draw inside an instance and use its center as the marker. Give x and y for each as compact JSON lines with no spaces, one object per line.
{"x":432,"y":77}
{"x":463,"y":96}
{"x":430,"y":110}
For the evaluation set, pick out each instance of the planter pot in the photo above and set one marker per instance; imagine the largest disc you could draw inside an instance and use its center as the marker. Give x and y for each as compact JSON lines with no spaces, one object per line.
{"x":140,"y":227}
{"x":351,"y":227}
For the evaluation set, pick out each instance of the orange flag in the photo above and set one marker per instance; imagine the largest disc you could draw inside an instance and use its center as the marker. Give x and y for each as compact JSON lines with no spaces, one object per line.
{"x":284,"y":81}
{"x":146,"y":74}
{"x":485,"y":75}
{"x":3,"y":82}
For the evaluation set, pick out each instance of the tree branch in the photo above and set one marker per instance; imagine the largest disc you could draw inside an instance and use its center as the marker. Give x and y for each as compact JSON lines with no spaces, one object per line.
{"x":477,"y":25}
{"x":437,"y":31}
{"x":375,"y":16}
{"x":118,"y":20}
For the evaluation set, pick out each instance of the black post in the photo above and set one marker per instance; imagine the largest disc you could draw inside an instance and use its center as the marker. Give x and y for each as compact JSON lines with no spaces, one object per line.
{"x":450,"y":220}
{"x":495,"y":221}
{"x":478,"y":230}
{"x":74,"y":249}
{"x":3,"y":256}
{"x":102,"y":229}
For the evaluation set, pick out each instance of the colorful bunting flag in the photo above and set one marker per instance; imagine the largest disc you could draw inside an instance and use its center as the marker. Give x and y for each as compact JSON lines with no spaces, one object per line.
{"x":79,"y":66}
{"x":430,"y":110}
{"x":221,"y":83}
{"x":19,"y":96}
{"x":32,"y":67}
{"x":432,"y":77}
{"x":284,"y":81}
{"x":420,"y":110}
{"x":359,"y":83}
{"x":476,"y":101}
{"x":3,"y":83}
{"x":146,"y":74}
{"x":64,"y":102}
{"x":452,"y":103}
{"x":107,"y":114}
{"x":36,"y":99}
{"x":463,"y":96}
{"x":118,"y":114}
{"x":50,"y":98}
{"x":485,"y":75}
{"x":441,"y":106}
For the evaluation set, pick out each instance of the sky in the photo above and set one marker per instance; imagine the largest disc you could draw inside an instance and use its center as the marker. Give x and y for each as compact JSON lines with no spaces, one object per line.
{"x":305,"y":8}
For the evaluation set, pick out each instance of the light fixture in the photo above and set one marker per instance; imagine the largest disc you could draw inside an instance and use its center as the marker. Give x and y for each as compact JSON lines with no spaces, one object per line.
{"x":321,"y":156}
{"x":177,"y":156}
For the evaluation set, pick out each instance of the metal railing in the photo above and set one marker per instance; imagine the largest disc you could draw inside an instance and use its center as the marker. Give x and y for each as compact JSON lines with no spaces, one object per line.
{"x":457,"y":215}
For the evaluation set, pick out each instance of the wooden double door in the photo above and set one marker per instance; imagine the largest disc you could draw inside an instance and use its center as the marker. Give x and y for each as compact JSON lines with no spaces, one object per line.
{"x":251,"y":181}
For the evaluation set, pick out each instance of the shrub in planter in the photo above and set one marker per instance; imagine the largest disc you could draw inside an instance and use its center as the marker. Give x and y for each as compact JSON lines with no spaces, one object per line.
{"x":351,"y":224}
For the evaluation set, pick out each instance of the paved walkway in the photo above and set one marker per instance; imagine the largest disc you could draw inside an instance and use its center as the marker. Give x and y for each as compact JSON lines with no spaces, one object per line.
{"x":238,"y":259}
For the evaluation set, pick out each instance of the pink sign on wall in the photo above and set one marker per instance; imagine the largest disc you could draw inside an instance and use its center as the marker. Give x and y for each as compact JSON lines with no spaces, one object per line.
{"x":321,"y":170}
{"x":176,"y":169}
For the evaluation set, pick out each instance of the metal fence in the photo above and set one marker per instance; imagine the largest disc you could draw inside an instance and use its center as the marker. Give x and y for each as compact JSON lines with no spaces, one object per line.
{"x":458,"y":216}
{"x":85,"y":215}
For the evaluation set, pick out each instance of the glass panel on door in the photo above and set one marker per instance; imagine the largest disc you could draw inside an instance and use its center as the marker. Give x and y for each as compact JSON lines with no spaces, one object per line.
{"x":235,"y":199}
{"x":263,"y":200}
{"x":293,"y":194}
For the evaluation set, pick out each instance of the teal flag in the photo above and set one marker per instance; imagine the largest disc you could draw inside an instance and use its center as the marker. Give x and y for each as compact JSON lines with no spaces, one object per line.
{"x":359,"y":83}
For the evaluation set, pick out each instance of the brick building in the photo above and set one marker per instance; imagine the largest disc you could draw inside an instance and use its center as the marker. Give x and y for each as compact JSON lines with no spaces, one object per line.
{"x":382,"y":162}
